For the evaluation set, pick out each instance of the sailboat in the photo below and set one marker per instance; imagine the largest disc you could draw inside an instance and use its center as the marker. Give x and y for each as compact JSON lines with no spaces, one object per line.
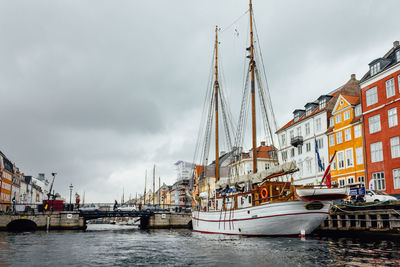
{"x":257,"y":203}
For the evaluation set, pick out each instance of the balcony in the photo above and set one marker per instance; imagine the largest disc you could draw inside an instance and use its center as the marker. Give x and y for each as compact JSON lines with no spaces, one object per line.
{"x":296,"y":141}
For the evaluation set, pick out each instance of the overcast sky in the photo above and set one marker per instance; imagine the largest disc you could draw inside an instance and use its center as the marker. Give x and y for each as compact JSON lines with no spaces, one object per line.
{"x":99,"y":91}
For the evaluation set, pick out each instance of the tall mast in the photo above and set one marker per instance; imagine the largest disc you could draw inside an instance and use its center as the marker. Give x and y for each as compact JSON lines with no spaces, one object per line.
{"x":159,"y":190}
{"x":253,"y":89}
{"x":216,"y":87}
{"x":154,"y":182}
{"x":145,"y":182}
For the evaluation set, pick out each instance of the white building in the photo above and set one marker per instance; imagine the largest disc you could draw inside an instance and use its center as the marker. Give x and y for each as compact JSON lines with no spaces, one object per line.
{"x":309,"y":125}
{"x":184,"y":170}
{"x":266,"y":158}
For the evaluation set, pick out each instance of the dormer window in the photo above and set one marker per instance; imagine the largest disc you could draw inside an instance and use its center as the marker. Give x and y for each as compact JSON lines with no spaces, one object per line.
{"x":398,"y":55}
{"x":375,"y":68}
{"x":322,"y":103}
{"x":296,"y":116}
{"x":308,"y":111}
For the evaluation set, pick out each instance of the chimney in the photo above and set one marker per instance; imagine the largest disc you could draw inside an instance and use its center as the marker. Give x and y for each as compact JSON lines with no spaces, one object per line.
{"x":353,"y":76}
{"x":395,"y":44}
{"x":263,"y":143}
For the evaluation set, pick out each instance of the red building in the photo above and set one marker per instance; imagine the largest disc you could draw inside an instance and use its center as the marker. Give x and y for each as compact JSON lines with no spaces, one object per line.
{"x":380,"y":95}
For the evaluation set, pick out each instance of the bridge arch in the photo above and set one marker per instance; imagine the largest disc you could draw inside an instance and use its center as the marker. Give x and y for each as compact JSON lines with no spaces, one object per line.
{"x":21,"y":225}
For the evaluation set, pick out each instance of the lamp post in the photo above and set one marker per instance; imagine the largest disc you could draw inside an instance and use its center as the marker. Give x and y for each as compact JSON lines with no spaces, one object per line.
{"x":70,"y":194}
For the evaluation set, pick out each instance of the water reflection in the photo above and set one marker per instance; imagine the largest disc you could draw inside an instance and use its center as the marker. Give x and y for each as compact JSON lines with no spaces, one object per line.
{"x":126,"y":245}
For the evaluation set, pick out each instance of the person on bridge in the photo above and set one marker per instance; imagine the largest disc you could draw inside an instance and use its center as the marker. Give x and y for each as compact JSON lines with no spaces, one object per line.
{"x":115,"y":205}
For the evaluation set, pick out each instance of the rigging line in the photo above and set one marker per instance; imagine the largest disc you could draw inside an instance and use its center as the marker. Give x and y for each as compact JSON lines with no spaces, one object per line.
{"x":204,"y":112}
{"x":244,"y":111}
{"x":262,"y":100}
{"x":197,"y":157}
{"x":226,"y":110}
{"x":266,"y":79}
{"x":208,"y":132}
{"x":236,"y":20}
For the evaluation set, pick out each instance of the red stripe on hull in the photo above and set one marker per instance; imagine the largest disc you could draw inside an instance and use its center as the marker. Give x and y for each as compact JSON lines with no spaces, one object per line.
{"x":246,"y":235}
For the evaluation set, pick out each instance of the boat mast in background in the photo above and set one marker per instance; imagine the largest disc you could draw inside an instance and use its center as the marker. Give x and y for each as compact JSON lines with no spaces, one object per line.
{"x":216,"y":87}
{"x":253,"y":89}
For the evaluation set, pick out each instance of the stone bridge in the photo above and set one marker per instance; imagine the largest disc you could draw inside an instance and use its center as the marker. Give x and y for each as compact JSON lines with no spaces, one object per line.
{"x":67,"y":220}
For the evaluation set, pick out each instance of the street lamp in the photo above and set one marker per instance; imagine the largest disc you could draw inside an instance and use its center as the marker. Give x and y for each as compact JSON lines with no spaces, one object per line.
{"x":70,"y":193}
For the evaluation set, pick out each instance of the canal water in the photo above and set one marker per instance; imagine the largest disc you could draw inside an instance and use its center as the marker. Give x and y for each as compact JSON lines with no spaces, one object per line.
{"x":115,"y":245}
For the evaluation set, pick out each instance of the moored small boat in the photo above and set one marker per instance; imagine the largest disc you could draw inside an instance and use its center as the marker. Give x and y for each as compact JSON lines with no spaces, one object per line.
{"x":319,"y":194}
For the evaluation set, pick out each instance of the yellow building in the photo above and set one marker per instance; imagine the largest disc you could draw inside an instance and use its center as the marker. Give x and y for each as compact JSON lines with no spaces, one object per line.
{"x":345,"y":136}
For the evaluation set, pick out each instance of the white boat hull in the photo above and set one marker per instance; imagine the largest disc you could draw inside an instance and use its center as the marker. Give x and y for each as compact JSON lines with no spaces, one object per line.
{"x":273,"y":219}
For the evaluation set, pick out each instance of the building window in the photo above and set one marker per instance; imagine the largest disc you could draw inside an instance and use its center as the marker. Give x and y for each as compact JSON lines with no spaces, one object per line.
{"x":298,"y":131}
{"x":291,"y":133}
{"x":357,"y":131}
{"x":322,"y":103}
{"x":347,"y":134}
{"x":346,"y":115}
{"x":339,"y":138}
{"x":398,"y":55}
{"x":283,"y":139}
{"x":340,"y":158}
{"x":338,"y":118}
{"x":349,"y":158}
{"x":331,"y":123}
{"x":309,"y":167}
{"x":333,"y":163}
{"x":307,"y":125}
{"x":376,"y":152}
{"x":332,"y":140}
{"x":323,"y":165}
{"x":318,"y":125}
{"x":374,"y":124}
{"x":396,"y":177}
{"x":308,"y":147}
{"x":350,"y":180}
{"x":357,"y":111}
{"x":361,"y":179}
{"x":284,"y":155}
{"x":300,"y":150}
{"x":395,"y":147}
{"x":372,"y":96}
{"x":392,"y":117}
{"x":308,"y":111}
{"x":292,"y":152}
{"x":390,"y":88}
{"x":342,"y":182}
{"x":359,"y":156}
{"x":379,"y":180}
{"x":375,"y":68}
{"x":320,"y":143}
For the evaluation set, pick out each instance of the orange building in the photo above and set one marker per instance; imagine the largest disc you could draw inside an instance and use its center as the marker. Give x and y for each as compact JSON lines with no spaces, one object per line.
{"x":6,"y":175}
{"x":345,"y":137}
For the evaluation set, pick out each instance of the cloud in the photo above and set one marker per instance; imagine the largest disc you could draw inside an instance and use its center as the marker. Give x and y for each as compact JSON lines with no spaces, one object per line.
{"x":100,"y":91}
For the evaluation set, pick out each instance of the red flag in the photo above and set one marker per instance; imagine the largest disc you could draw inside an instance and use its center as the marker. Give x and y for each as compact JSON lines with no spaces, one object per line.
{"x":327,"y":174}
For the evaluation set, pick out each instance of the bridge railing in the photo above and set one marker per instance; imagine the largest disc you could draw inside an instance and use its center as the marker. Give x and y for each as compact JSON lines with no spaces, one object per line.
{"x":32,"y":208}
{"x":137,"y":207}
